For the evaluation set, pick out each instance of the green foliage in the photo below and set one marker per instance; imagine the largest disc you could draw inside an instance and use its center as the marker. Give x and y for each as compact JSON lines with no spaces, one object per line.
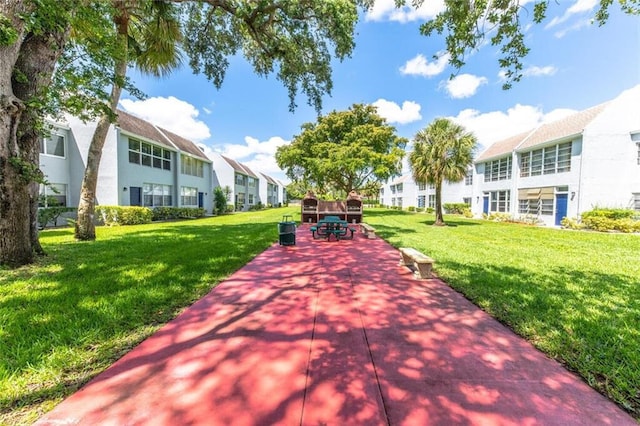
{"x":219,"y":200}
{"x":499,"y":217}
{"x":609,"y":213}
{"x":8,"y":34}
{"x":606,"y":220}
{"x":467,"y":25}
{"x":50,"y":215}
{"x":411,"y":209}
{"x":430,"y":210}
{"x":343,"y":151}
{"x":456,"y":208}
{"x":443,"y":151}
{"x":570,"y":223}
{"x":292,"y":39}
{"x":123,"y":215}
{"x":171,"y":213}
{"x":28,"y":171}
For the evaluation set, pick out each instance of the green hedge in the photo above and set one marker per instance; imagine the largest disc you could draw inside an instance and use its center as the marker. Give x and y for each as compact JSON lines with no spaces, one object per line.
{"x":456,"y":208}
{"x":605,"y":220}
{"x":167,"y":213}
{"x":123,"y":215}
{"x":609,"y":213}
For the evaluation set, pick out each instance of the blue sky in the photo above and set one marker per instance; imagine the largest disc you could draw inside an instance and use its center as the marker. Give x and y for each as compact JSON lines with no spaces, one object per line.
{"x":573,"y":65}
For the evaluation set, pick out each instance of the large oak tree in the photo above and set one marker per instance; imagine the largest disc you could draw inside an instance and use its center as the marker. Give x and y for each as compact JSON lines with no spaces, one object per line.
{"x":344,"y":151}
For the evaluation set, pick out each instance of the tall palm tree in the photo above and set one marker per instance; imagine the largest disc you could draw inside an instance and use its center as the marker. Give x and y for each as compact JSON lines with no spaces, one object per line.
{"x":148,"y":37}
{"x":443,"y":151}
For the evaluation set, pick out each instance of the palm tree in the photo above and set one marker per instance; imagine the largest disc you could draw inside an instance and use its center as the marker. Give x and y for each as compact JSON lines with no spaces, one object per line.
{"x":443,"y":151}
{"x":148,"y":37}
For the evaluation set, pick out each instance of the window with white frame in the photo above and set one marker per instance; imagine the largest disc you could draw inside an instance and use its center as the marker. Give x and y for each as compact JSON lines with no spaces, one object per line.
{"x":421,"y":201}
{"x":432,"y":201}
{"x":635,"y":137}
{"x":240,"y":179}
{"x":499,"y":169}
{"x":548,"y":160}
{"x":399,"y":201}
{"x":53,"y":195}
{"x":536,"y":201}
{"x":499,"y":201}
{"x":636,"y":201}
{"x":399,"y":188}
{"x":191,"y":166}
{"x":145,"y":154}
{"x":188,"y":196}
{"x":250,"y":199}
{"x":422,"y":186}
{"x":156,"y":195}
{"x":467,"y":200}
{"x":468,"y":178}
{"x":52,"y":145}
{"x":252,"y":182}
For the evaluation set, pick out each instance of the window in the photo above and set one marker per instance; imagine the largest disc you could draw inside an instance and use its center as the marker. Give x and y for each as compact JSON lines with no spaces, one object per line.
{"x":546,"y":206}
{"x":250,"y":199}
{"x":636,"y":201}
{"x":188,"y":196}
{"x":252,"y":183}
{"x":499,"y":169}
{"x":525,"y":163}
{"x":432,"y":201}
{"x":549,"y":160}
{"x":421,"y":201}
{"x":421,"y":187}
{"x":399,"y":201}
{"x":52,"y":145}
{"x":240,"y":180}
{"x":467,"y":200}
{"x":156,"y":195}
{"x":381,"y":191}
{"x":53,"y":195}
{"x":468,"y":178}
{"x":399,"y":188}
{"x":191,"y":166}
{"x":635,"y":137}
{"x":638,"y":145}
{"x":240,"y":201}
{"x":149,"y":155}
{"x":537,"y":201}
{"x":499,"y":201}
{"x":393,"y":201}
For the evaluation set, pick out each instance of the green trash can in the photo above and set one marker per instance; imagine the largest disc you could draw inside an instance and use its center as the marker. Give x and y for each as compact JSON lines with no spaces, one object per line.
{"x":287,"y":231}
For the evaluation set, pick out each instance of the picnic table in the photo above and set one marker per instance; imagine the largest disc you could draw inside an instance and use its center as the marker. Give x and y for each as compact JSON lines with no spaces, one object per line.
{"x":332,"y":225}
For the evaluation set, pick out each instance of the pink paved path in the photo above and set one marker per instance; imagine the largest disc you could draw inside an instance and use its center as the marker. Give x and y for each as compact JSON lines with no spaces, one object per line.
{"x":334,"y":333}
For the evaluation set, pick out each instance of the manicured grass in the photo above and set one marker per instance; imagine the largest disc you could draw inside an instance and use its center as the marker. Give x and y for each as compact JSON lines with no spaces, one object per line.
{"x":575,"y":295}
{"x":76,"y":311}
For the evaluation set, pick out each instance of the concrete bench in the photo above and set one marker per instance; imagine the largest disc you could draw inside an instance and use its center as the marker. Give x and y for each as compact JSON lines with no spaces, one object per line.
{"x":421,"y":262}
{"x":368,"y":231}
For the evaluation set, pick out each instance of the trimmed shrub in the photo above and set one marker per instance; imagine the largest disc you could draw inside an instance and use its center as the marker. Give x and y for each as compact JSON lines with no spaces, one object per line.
{"x":48,"y":215}
{"x":455,"y":208}
{"x":430,"y":210}
{"x":169,"y":213}
{"x":124,"y":215}
{"x":609,"y":213}
{"x":411,"y":209}
{"x":569,"y":223}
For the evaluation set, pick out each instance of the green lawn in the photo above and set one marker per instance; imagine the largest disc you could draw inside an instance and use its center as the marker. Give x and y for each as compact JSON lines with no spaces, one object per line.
{"x":84,"y":305}
{"x":575,"y":295}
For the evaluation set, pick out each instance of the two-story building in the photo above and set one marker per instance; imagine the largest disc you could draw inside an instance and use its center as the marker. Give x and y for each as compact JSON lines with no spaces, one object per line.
{"x":141,"y":165}
{"x":558,"y":169}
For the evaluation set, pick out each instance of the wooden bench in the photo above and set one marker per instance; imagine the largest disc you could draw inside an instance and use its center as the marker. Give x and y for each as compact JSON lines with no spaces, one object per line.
{"x":368,"y":231}
{"x":422,"y":263}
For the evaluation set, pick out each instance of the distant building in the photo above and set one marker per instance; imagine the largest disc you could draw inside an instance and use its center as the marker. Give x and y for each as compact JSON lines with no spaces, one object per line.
{"x":559,"y":169}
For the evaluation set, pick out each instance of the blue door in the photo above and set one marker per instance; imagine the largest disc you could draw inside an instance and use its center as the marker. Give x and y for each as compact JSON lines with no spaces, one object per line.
{"x":135,"y":196}
{"x":485,"y":205}
{"x":201,"y":199}
{"x":561,"y":207}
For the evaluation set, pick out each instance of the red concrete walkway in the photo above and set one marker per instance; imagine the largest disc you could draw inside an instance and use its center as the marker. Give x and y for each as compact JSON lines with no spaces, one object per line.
{"x":334,"y":333}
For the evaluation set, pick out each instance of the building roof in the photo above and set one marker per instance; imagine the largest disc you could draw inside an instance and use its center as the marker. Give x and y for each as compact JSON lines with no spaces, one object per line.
{"x":503,"y":147}
{"x":239,"y":167}
{"x":140,"y":127}
{"x":571,"y":125}
{"x":270,"y":179}
{"x":401,"y":179}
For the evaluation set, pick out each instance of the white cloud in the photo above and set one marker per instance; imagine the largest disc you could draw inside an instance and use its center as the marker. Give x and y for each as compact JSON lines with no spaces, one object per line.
{"x":580,"y":6}
{"x":386,"y":10}
{"x":420,"y":66}
{"x":170,"y":113}
{"x":463,"y":85}
{"x":410,"y":111}
{"x":575,"y":27}
{"x":258,"y":155}
{"x":206,"y":110}
{"x":535,"y":71}
{"x":498,"y":125}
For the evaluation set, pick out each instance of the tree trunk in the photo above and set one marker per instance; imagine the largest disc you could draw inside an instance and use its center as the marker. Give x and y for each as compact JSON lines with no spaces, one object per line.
{"x":33,"y":58}
{"x":85,"y":225}
{"x":439,"y":217}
